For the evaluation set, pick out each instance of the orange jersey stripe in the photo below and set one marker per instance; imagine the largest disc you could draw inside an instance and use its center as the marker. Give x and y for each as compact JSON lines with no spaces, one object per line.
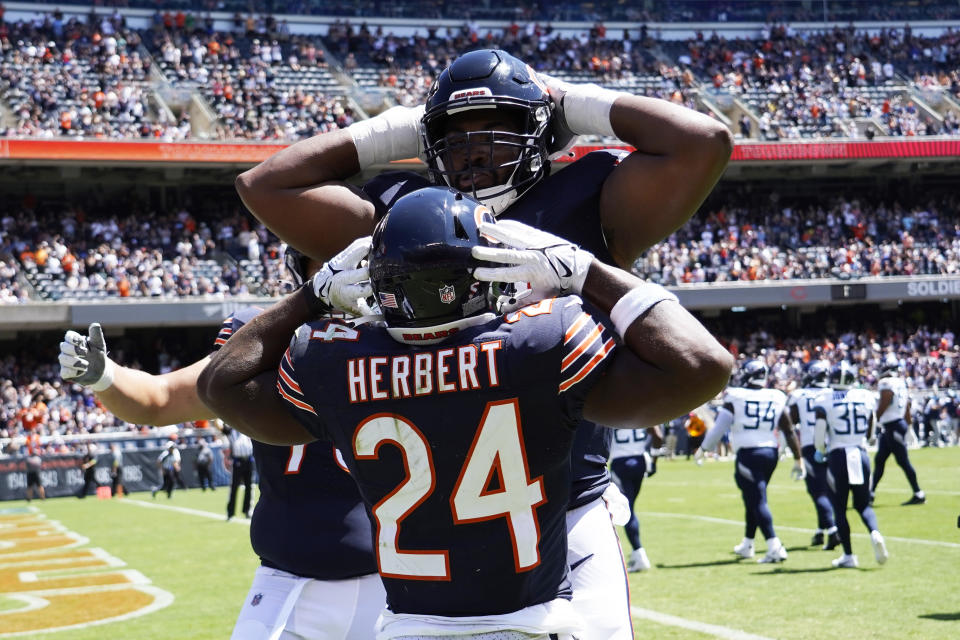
{"x":585,"y":344}
{"x":294,"y":401}
{"x":590,"y":366}
{"x":290,"y":381}
{"x":575,"y":327}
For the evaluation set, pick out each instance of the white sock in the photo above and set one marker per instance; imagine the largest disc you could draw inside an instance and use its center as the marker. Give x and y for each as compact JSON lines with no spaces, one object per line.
{"x":774,"y":543}
{"x":831,"y":530}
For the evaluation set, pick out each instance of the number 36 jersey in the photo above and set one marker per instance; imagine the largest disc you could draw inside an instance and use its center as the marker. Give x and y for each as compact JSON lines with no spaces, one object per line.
{"x":848,"y":416}
{"x":460,"y":448}
{"x":756,"y":413}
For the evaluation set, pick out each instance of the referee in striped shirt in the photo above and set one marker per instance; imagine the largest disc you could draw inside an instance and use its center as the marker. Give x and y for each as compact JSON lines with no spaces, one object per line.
{"x":241,"y":464}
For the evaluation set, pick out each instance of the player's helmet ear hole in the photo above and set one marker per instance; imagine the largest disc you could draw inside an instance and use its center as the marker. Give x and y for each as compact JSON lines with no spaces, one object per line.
{"x":458,"y":229}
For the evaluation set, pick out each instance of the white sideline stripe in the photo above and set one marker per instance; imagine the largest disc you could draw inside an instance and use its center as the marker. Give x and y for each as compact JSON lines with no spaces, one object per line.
{"x":186,"y":510}
{"x":693,"y":625}
{"x":739,"y":523}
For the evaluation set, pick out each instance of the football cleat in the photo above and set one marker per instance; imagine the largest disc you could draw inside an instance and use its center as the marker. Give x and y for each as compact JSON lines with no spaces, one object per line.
{"x":638,"y":561}
{"x":879,"y":547}
{"x":817,"y":539}
{"x":915,"y":499}
{"x":833,"y":540}
{"x":846,"y":561}
{"x":744,"y":549}
{"x":773,"y":555}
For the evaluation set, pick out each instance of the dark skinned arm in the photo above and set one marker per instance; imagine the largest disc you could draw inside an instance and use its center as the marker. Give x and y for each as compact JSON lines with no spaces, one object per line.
{"x":790,"y":434}
{"x":886,"y":398}
{"x":299,"y":193}
{"x":240,"y":382}
{"x":648,"y":382}
{"x":680,"y":154}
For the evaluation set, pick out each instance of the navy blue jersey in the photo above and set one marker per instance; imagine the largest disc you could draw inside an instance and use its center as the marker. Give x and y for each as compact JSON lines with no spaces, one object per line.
{"x":460,"y":448}
{"x":567,"y":204}
{"x":309,"y":520}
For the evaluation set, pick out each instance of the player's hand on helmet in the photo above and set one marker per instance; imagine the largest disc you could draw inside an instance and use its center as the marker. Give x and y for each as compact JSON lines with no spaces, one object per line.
{"x":83,"y":359}
{"x":562,"y":139}
{"x":342,"y":282}
{"x":799,"y":472}
{"x":550,"y":265}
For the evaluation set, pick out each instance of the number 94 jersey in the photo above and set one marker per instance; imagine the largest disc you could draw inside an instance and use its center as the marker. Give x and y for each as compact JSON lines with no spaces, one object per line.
{"x":848,"y":416}
{"x":756,"y":413}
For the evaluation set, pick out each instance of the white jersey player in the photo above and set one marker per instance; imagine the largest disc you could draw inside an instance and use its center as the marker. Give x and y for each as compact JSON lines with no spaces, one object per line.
{"x":848,"y":424}
{"x":753,"y":413}
{"x":893,"y":416}
{"x":801,"y":403}
{"x":630,"y":463}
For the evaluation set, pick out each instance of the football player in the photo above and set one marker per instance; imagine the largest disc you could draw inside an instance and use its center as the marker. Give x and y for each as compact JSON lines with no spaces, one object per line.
{"x":490,"y":127}
{"x":801,"y":403}
{"x":892,"y":411}
{"x":752,"y":413}
{"x":456,"y":422}
{"x":845,"y":424}
{"x":630,"y":462}
{"x":317,"y":577}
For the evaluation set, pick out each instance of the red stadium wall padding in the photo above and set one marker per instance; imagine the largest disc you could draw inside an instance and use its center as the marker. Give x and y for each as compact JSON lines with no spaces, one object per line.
{"x":201,"y":153}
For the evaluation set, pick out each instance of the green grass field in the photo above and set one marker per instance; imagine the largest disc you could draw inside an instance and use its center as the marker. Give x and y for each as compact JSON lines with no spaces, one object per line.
{"x":690,"y":519}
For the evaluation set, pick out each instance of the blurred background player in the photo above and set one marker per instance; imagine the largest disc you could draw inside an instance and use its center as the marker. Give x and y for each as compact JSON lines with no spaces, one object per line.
{"x":485,"y":562}
{"x":169,"y":463}
{"x":752,"y":413}
{"x":630,"y":462}
{"x":318,"y":577}
{"x":34,"y":466}
{"x":847,"y":424}
{"x":88,"y":464}
{"x":802,"y":403}
{"x":892,"y":411}
{"x":204,"y":464}
{"x":116,"y":470}
{"x":240,"y":449}
{"x":489,"y":127}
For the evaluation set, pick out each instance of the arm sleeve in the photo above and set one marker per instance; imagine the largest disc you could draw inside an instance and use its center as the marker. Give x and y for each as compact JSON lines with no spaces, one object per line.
{"x":720,"y":426}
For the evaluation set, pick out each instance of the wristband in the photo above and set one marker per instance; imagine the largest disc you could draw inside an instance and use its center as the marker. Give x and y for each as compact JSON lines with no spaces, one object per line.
{"x":106,"y":378}
{"x":637,"y":302}
{"x":392,"y":135}
{"x":586,"y":108}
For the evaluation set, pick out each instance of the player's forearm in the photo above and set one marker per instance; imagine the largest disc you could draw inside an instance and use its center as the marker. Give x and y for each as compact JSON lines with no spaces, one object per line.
{"x":666,"y":335}
{"x":239,"y":383}
{"x":661,"y":128}
{"x":142,"y":398}
{"x":322,"y":158}
{"x":674,"y":364}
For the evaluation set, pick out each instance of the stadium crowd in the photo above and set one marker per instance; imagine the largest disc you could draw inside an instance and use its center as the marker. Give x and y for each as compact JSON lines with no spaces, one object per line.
{"x":553,"y":10}
{"x":80,"y":79}
{"x":812,"y":84}
{"x":72,"y":249}
{"x":845,"y":238}
{"x":87,"y":78}
{"x":87,"y":250}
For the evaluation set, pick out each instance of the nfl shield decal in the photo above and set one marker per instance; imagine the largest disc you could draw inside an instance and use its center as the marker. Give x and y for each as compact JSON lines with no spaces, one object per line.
{"x":447,"y":294}
{"x":256,"y":599}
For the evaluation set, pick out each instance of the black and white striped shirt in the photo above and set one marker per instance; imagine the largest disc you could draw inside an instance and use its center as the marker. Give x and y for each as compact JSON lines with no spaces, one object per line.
{"x":240,"y":445}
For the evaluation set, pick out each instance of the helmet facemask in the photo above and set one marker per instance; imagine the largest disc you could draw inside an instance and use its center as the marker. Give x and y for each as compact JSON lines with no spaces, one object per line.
{"x":496,"y":167}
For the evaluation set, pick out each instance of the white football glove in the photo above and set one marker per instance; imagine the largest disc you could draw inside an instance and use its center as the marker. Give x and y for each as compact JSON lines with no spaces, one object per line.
{"x":341,"y":283}
{"x":550,"y":265}
{"x":83,"y":359}
{"x":799,"y":471}
{"x":562,"y":139}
